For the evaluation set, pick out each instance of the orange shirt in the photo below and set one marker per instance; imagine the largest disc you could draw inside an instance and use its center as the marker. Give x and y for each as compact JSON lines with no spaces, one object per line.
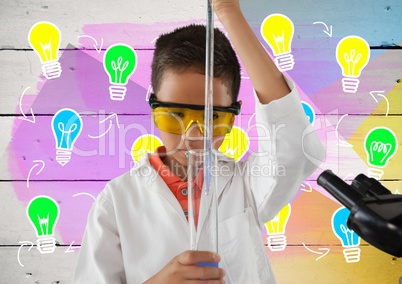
{"x":178,"y":186}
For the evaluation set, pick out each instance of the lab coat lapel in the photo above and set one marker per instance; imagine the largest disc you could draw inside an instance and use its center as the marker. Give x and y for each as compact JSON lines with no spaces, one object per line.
{"x":155,"y":183}
{"x":223,"y":173}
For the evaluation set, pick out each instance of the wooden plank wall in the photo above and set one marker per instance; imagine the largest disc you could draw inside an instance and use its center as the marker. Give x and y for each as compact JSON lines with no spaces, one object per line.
{"x":24,"y":145}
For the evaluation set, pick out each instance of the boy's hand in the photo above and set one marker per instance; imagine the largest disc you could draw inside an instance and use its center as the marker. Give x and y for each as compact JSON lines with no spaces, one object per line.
{"x":223,"y":7}
{"x":268,"y":82}
{"x":183,"y":269}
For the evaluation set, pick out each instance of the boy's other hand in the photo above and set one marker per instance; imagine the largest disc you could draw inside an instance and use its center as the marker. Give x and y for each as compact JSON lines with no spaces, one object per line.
{"x":183,"y":269}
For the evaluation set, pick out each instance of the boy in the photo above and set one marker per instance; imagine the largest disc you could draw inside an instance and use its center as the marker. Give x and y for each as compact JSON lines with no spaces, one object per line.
{"x":137,"y":230}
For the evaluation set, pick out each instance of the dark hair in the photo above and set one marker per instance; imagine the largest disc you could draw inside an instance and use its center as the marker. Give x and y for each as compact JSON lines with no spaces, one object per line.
{"x":184,"y":49}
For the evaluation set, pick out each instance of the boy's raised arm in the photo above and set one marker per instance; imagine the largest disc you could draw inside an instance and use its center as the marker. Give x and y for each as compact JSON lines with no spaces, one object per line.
{"x":267,"y":80}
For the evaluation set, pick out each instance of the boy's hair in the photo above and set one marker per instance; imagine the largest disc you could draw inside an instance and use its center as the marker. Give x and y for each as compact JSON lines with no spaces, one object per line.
{"x":184,"y":49}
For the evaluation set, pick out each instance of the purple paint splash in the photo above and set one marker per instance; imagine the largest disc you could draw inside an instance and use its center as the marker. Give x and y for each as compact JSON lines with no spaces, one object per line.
{"x":83,"y":86}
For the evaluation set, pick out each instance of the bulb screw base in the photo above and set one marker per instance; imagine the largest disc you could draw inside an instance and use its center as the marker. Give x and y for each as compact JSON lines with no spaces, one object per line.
{"x":375,"y":173}
{"x":46,"y":244}
{"x":285,"y":62}
{"x":352,"y":255}
{"x":63,"y":157}
{"x":277,"y":242}
{"x":350,"y":85}
{"x":51,"y":70}
{"x":117,"y":93}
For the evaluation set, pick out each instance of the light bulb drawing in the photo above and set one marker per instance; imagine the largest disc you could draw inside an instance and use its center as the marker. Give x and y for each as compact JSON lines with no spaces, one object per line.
{"x":235,"y":144}
{"x":349,"y":239}
{"x":143,"y":145}
{"x":44,"y":37}
{"x":380,"y":145}
{"x":67,"y":126}
{"x":277,"y":31}
{"x":276,"y":228}
{"x":309,"y":111}
{"x":43,"y":213}
{"x":352,"y":55}
{"x":119,"y":62}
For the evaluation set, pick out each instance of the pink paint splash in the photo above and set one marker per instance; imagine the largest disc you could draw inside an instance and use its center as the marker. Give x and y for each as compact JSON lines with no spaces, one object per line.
{"x":83,"y":87}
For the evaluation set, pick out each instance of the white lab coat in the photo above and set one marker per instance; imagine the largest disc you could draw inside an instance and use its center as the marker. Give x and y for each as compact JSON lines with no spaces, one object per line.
{"x":136,"y":226}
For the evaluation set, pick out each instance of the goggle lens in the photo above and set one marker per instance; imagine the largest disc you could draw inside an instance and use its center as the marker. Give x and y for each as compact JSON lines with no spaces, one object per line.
{"x":178,"y":120}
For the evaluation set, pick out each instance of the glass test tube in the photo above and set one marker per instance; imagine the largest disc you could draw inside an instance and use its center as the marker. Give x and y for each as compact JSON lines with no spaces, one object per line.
{"x":202,"y":204}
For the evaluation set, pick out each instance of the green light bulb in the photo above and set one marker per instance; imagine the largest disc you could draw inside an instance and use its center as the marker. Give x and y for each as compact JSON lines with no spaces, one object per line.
{"x":43,"y":212}
{"x":119,"y":62}
{"x":380,"y":145}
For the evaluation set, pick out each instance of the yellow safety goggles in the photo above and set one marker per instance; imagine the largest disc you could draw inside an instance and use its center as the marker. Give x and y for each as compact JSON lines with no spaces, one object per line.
{"x":178,"y":118}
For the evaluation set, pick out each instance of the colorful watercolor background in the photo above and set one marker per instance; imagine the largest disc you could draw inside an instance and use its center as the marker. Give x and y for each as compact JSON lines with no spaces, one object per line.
{"x":342,"y":121}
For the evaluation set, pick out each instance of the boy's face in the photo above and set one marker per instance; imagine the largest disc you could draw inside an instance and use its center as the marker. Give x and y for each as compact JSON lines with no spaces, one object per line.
{"x":189,"y":88}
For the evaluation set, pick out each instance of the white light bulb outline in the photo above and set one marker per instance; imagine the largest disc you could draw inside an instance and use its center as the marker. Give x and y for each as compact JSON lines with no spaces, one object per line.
{"x":350,"y":59}
{"x":335,"y":223}
{"x":59,"y":140}
{"x":119,"y":61}
{"x":279,"y":38}
{"x":374,"y":147}
{"x":44,"y":220}
{"x":143,"y":151}
{"x":349,"y":236}
{"x":280,"y":42}
{"x":313,"y":114}
{"x":232,"y":151}
{"x":60,"y":127}
{"x":274,"y":225}
{"x":48,"y":45}
{"x":276,"y":222}
{"x":385,"y":157}
{"x":120,"y":68}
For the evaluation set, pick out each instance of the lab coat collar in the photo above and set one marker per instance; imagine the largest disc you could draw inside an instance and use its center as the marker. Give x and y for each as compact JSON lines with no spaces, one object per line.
{"x":154,"y":181}
{"x":225,"y":172}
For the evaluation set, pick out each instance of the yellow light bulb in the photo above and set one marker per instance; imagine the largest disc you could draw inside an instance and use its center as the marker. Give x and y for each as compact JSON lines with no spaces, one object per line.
{"x":235,"y":144}
{"x":44,"y":38}
{"x":276,"y":229}
{"x":143,"y":145}
{"x":352,"y":54}
{"x":277,"y":30}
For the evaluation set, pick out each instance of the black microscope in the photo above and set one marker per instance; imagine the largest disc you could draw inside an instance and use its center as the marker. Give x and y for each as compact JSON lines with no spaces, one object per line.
{"x":375,"y":213}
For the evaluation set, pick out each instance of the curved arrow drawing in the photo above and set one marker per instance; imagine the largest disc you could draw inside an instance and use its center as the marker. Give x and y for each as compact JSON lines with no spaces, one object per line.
{"x":349,"y":176}
{"x":103,"y":134}
{"x":110,"y":125}
{"x":380,"y":94}
{"x":149,"y":92}
{"x":22,"y":112}
{"x":96,"y":42}
{"x":23,"y":243}
{"x":327,"y":250}
{"x":249,"y":121}
{"x":69,"y":249}
{"x":327,"y":30}
{"x":85,"y":193}
{"x":303,"y":187}
{"x":341,"y":142}
{"x":244,"y":77}
{"x":34,"y":166}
